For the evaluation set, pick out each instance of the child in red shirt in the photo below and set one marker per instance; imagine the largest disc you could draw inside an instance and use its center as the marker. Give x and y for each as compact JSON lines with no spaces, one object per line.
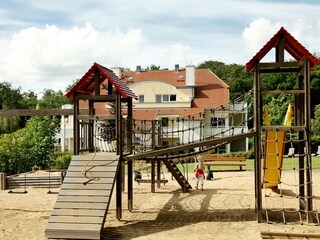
{"x":199,"y":169}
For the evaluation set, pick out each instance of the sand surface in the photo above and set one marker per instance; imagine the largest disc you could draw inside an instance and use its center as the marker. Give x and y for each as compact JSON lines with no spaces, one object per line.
{"x":224,"y":210}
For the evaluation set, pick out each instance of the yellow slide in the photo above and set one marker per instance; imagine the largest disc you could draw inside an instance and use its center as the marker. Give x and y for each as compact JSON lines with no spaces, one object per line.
{"x":274,"y":150}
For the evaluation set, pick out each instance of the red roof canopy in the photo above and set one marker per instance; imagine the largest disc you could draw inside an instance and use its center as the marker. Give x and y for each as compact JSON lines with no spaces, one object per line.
{"x":291,"y":45}
{"x":86,"y":84}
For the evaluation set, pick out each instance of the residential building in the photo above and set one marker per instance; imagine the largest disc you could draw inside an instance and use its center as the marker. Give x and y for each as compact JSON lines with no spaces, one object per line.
{"x":196,"y":96}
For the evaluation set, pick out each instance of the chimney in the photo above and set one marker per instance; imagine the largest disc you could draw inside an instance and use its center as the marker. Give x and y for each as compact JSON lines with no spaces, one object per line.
{"x":176,"y":67}
{"x":190,"y":75}
{"x":138,"y":70}
{"x":117,"y":71}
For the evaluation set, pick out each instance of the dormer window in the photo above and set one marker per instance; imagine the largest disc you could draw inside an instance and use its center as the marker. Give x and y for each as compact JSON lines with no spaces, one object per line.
{"x":180,"y":78}
{"x":130,"y":80}
{"x":166,"y":98}
{"x":141,"y":98}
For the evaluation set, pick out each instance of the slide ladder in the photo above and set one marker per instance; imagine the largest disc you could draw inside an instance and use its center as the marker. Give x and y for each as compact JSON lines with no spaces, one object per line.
{"x":82,"y":204}
{"x":172,"y":167}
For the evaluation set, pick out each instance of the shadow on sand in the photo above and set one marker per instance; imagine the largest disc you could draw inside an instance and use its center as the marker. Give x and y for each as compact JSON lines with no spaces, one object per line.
{"x":173,"y":215}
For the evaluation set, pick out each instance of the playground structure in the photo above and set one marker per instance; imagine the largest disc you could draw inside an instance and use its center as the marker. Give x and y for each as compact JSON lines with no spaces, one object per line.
{"x":77,"y":214}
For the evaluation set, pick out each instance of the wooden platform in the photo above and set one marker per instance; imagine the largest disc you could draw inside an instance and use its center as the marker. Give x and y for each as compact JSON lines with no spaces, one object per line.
{"x":81,"y":207}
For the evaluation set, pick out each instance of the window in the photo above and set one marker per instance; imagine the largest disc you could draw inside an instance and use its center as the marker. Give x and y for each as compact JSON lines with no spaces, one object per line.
{"x":173,"y":98}
{"x":158,"y":98}
{"x":166,"y":98}
{"x":217,"y":122}
{"x":165,"y":122}
{"x":141,"y":98}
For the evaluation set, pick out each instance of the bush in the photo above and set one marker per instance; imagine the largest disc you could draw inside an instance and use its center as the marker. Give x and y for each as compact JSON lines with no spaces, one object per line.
{"x":248,"y":155}
{"x":60,"y":160}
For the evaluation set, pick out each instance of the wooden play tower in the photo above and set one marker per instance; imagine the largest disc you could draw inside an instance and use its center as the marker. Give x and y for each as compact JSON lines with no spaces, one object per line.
{"x":303,"y":61}
{"x":82,"y":204}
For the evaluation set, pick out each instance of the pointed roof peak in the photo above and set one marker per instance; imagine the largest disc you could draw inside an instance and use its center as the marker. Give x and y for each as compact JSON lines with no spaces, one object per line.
{"x":86,"y":84}
{"x":291,"y":45}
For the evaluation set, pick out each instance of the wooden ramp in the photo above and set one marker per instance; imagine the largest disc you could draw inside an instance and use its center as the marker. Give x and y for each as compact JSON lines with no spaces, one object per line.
{"x":81,"y":208}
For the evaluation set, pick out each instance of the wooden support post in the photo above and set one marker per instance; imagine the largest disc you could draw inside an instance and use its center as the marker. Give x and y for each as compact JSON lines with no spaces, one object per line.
{"x":129,"y":126}
{"x":3,"y":184}
{"x":280,"y":50}
{"x":123,"y":176}
{"x":96,"y":83}
{"x":119,"y":192}
{"x":299,"y":121}
{"x":307,"y":116}
{"x":153,"y":176}
{"x":120,"y":153}
{"x":76,"y":129}
{"x":158,"y":173}
{"x":130,"y":186}
{"x":129,"y":150}
{"x":90,"y":127}
{"x":257,"y":140}
{"x":110,"y":88}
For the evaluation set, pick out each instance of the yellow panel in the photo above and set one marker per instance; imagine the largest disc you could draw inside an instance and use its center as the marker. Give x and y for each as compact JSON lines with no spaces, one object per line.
{"x":274,"y":150}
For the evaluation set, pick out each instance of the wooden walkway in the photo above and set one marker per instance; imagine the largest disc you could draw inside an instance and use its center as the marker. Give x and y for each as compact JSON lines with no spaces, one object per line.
{"x":81,"y":209}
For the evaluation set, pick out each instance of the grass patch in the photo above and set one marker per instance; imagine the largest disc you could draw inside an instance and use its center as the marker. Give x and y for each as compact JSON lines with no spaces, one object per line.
{"x":288,"y":164}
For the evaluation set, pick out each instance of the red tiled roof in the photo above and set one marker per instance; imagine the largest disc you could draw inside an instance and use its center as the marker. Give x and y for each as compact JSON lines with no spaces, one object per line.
{"x":210,"y":91}
{"x":291,"y":45}
{"x":86,"y":84}
{"x":175,"y":78}
{"x":151,"y":114}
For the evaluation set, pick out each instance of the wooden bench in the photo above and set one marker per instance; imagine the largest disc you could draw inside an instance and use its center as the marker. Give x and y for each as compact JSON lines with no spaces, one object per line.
{"x":225,"y":161}
{"x":164,"y":181}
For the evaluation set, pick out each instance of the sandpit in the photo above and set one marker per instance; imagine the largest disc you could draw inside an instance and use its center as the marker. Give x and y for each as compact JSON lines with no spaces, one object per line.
{"x":224,"y":210}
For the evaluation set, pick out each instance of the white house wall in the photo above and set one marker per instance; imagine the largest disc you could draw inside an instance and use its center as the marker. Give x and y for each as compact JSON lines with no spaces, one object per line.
{"x":152,"y":88}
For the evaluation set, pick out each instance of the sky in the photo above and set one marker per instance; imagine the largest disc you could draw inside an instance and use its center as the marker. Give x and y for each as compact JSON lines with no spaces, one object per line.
{"x":50,"y":44}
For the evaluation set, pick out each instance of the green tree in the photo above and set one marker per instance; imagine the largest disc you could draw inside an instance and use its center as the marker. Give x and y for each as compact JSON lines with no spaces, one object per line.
{"x":52,"y":99}
{"x":234,"y":75}
{"x":315,"y":123}
{"x":278,"y":108}
{"x":30,"y":146}
{"x":10,"y":98}
{"x":152,"y":67}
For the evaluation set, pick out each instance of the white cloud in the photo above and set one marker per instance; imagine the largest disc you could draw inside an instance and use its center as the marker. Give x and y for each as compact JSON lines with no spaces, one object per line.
{"x":258,"y":33}
{"x":178,"y":53}
{"x":53,"y":57}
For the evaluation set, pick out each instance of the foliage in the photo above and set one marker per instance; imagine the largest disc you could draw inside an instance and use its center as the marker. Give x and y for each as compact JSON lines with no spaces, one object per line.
{"x":152,"y":67}
{"x":315,"y":123}
{"x":52,"y":99}
{"x":30,"y":146}
{"x":278,"y":108}
{"x":60,"y":160}
{"x":234,"y":75}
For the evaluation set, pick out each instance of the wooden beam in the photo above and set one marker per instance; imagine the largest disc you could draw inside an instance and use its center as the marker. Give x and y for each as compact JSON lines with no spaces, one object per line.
{"x":96,"y":117}
{"x":273,"y":65}
{"x":281,"y":70}
{"x":283,"y":91}
{"x":288,"y":235}
{"x":208,"y":142}
{"x":284,"y":128}
{"x":97,"y":98}
{"x":39,"y":112}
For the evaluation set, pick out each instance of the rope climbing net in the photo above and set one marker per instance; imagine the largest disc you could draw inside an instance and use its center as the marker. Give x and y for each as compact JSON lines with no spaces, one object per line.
{"x":287,"y":178}
{"x":170,"y":131}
